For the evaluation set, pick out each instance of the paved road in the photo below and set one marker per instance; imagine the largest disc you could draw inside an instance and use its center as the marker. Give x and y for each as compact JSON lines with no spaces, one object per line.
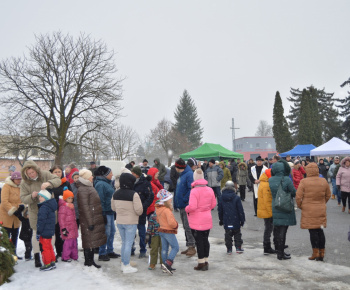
{"x":337,"y":244}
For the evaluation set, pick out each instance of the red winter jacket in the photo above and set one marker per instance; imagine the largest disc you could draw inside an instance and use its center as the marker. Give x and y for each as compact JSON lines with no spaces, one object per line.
{"x":298,"y":175}
{"x":69,"y":176}
{"x":156,"y":186}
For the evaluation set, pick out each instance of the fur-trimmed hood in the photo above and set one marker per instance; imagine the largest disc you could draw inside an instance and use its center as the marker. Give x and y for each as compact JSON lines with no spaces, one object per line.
{"x":83,"y":181}
{"x":242,"y":163}
{"x":342,"y":163}
{"x":26,"y":166}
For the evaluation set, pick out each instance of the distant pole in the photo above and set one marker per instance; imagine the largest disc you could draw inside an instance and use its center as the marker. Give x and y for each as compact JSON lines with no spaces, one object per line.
{"x":233,"y":135}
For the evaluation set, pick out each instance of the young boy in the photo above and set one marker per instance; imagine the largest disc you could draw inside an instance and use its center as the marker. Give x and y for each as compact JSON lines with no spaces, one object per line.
{"x":156,"y":245}
{"x":46,"y":228}
{"x":231,"y":215}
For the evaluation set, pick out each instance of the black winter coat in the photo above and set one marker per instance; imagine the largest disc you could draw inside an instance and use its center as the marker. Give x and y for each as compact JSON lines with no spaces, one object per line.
{"x":144,"y":189}
{"x":26,"y":232}
{"x":58,"y":191}
{"x":231,"y":211}
{"x":174,"y":176}
{"x":233,"y":170}
{"x":46,"y":219}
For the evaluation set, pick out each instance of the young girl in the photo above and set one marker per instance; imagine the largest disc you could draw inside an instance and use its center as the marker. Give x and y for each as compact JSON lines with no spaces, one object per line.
{"x":167,"y":229}
{"x":156,"y":245}
{"x":68,"y":225}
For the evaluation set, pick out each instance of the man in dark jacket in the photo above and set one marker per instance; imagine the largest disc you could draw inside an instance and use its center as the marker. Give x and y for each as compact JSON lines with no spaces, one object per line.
{"x":161,"y":169}
{"x":174,"y":175}
{"x":231,"y":216}
{"x":130,"y":165}
{"x":183,"y":190}
{"x":105,"y":190}
{"x":144,"y":189}
{"x":145,"y":167}
{"x":233,"y":170}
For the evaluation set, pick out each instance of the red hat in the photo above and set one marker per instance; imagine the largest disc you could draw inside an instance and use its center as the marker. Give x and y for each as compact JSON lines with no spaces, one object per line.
{"x":67,"y":193}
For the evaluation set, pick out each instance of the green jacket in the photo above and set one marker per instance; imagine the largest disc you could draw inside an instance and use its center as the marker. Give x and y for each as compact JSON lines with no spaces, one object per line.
{"x":279,"y":169}
{"x":227,"y":174}
{"x":161,"y":169}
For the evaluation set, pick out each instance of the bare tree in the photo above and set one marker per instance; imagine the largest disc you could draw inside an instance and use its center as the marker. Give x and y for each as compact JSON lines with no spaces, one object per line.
{"x":122,"y":140}
{"x":64,"y":83}
{"x":264,"y":129}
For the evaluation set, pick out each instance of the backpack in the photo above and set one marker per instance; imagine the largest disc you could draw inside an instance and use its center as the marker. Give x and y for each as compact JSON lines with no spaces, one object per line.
{"x":283,"y":200}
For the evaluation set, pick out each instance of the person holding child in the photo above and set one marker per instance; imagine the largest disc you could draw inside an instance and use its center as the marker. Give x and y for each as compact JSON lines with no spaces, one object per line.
{"x":68,"y":226}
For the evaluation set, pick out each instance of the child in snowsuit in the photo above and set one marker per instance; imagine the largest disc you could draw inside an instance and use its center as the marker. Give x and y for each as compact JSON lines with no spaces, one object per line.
{"x":167,"y":229}
{"x":156,"y":245}
{"x":46,"y":228}
{"x":26,"y":234}
{"x":231,"y":216}
{"x":68,"y":226}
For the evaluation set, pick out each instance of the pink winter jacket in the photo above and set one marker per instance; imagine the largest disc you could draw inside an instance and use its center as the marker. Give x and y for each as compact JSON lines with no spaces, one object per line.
{"x":202,"y":201}
{"x":343,"y":176}
{"x":67,"y":220}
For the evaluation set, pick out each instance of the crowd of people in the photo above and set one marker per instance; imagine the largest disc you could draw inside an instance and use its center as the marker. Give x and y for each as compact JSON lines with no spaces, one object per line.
{"x":51,"y":206}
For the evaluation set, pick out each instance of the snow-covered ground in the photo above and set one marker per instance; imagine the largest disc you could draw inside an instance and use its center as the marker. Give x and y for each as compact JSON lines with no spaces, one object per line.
{"x":251,"y":270}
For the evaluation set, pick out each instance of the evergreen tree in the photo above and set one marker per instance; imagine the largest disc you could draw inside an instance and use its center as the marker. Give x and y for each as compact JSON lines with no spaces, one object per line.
{"x":283,"y":137}
{"x":7,"y":261}
{"x":327,"y":116}
{"x":309,"y":120}
{"x":187,"y":122}
{"x":345,"y":112}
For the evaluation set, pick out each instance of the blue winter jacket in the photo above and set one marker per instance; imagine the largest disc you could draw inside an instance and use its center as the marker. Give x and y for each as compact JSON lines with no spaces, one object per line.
{"x":183,"y":187}
{"x":105,"y":191}
{"x":230,"y":210}
{"x":46,"y":219}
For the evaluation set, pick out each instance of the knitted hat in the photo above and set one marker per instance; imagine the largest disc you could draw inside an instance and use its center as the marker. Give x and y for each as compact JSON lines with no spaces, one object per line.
{"x":12,"y":168}
{"x":86,"y":174}
{"x":67,"y":193}
{"x":16,"y":175}
{"x":102,"y":171}
{"x":212,"y":160}
{"x":180,"y":163}
{"x":259,"y":158}
{"x":45,"y":194}
{"x":136,"y":170}
{"x":164,"y":195}
{"x":268,"y":173}
{"x":198,"y":174}
{"x":192,"y":162}
{"x":76,"y":173}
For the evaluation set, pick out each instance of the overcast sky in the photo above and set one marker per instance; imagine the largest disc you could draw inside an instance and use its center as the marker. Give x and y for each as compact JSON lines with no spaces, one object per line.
{"x":231,"y":56}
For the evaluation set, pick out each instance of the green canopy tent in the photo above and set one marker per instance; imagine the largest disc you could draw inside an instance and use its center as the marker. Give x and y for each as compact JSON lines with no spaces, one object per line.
{"x":210,"y":150}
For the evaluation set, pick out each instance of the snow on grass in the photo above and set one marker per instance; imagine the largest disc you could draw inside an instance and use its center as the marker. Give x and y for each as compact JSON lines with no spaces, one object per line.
{"x":250,"y":270}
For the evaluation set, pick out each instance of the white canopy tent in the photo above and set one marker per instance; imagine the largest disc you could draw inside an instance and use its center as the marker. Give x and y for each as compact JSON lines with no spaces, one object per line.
{"x":335,"y":146}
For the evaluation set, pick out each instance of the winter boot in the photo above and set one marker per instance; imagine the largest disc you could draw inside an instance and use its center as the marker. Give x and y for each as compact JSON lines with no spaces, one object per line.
{"x":343,"y":209}
{"x":166,"y":266}
{"x":191,"y":251}
{"x":200,"y":266}
{"x":37,"y":260}
{"x":88,"y":261}
{"x":184,"y":252}
{"x":281,"y":255}
{"x":315,"y":254}
{"x":269,"y":250}
{"x":91,"y":253}
{"x":206,"y":264}
{"x":322,"y":251}
{"x":333,"y":196}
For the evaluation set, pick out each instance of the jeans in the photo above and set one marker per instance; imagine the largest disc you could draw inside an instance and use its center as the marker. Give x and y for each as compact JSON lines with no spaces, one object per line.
{"x":13,"y":235}
{"x":345,"y":196}
{"x":237,"y":235}
{"x":217,"y":193}
{"x":269,"y":228}
{"x":335,"y":191}
{"x":280,"y":233}
{"x":142,"y":234}
{"x":169,"y":240}
{"x":202,"y":243}
{"x":127,"y":233}
{"x":255,"y":202}
{"x":110,"y":232}
{"x":317,"y":238}
{"x":190,"y":241}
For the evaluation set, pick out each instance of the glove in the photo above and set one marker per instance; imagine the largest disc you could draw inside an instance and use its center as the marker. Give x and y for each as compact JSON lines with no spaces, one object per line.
{"x":91,"y":228}
{"x":20,"y":207}
{"x":147,"y":238}
{"x":149,"y":178}
{"x":65,"y":232}
{"x":105,"y":219}
{"x":338,"y":187}
{"x":242,"y":224}
{"x":38,"y":237}
{"x":221,"y":223}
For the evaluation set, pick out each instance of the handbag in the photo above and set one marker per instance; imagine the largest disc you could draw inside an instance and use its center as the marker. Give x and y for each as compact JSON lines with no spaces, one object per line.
{"x":283,"y":200}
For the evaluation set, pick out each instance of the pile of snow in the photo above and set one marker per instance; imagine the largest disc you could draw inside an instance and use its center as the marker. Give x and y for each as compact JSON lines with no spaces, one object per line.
{"x":250,"y":270}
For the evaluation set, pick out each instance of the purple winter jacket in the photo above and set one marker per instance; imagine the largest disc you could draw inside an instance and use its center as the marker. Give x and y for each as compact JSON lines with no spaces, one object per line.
{"x":343,"y":176}
{"x":67,"y":220}
{"x":202,"y":201}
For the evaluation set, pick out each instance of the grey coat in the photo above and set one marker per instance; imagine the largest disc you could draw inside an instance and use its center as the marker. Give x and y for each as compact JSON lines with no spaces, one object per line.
{"x":214,"y":175}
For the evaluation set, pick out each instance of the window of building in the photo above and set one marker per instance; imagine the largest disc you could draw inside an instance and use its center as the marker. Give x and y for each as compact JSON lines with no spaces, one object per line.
{"x":257,"y":145}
